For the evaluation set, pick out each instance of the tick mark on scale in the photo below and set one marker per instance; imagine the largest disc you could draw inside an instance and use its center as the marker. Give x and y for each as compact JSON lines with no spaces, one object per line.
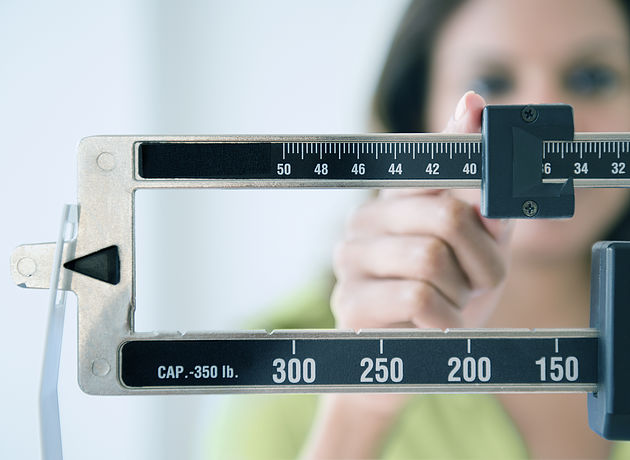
{"x":468,"y":345}
{"x":381,"y":346}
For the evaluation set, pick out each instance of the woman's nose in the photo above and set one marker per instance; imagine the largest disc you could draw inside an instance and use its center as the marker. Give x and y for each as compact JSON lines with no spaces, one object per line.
{"x":537,"y":86}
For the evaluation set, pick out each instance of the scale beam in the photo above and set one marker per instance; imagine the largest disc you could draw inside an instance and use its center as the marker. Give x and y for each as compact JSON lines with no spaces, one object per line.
{"x":383,"y":160}
{"x":112,"y":168}
{"x":99,"y":266}
{"x":428,"y":361}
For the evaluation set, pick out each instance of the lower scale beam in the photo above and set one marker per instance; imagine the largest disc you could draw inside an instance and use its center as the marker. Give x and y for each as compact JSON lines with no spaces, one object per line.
{"x":335,"y":361}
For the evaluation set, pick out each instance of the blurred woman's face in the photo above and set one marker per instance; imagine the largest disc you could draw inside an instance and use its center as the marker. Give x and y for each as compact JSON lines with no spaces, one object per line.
{"x":539,"y":51}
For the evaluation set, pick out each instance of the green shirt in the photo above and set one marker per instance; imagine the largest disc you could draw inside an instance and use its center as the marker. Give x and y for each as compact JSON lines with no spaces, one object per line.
{"x":430,"y":426}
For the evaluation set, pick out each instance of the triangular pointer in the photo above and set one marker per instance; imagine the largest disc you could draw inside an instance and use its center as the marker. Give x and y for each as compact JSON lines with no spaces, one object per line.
{"x":103,"y":265}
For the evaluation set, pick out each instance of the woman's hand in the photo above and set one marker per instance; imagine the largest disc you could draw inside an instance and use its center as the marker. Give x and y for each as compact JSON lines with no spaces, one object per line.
{"x":410,"y":258}
{"x":421,"y":258}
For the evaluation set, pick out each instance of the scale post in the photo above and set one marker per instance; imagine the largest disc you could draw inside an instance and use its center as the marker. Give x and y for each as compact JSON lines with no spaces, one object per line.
{"x":609,"y":407}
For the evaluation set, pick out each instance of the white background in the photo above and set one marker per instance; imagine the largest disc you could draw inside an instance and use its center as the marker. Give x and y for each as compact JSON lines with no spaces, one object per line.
{"x":72,"y":69}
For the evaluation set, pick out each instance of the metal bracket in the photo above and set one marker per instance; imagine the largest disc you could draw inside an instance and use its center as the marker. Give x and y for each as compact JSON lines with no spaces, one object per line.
{"x":512,"y":141}
{"x":31,"y":265}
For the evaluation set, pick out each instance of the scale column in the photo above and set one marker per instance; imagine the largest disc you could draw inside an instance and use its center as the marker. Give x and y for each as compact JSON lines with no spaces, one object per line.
{"x":609,"y":407}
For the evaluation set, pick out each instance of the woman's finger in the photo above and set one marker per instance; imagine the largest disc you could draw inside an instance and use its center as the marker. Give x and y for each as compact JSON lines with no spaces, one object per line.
{"x":467,"y":115}
{"x":454,"y":221}
{"x":420,"y":258}
{"x":361,"y":304}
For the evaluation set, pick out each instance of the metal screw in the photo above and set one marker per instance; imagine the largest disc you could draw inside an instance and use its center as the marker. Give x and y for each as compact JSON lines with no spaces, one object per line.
{"x":100,"y":367}
{"x":26,"y":266}
{"x":529,"y":114}
{"x":106,"y":161}
{"x":530,"y":208}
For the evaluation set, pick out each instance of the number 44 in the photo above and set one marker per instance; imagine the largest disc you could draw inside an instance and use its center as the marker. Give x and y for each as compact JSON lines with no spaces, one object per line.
{"x":395,"y":168}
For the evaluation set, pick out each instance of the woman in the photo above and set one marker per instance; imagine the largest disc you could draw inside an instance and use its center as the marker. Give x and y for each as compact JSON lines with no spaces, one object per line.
{"x":418,"y":258}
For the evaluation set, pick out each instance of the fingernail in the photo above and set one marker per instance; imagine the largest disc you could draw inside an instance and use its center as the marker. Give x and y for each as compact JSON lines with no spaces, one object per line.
{"x":461,"y":108}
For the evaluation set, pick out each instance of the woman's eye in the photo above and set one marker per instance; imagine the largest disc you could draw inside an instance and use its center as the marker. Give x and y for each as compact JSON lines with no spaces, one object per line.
{"x":492,"y":86}
{"x":590,"y":81}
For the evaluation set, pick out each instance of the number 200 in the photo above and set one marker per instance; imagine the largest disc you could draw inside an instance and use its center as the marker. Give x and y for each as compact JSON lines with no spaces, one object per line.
{"x":471,"y":369}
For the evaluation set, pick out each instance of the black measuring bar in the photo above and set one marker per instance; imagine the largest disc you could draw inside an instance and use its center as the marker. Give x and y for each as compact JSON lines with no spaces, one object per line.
{"x":425,"y":361}
{"x":421,"y":157}
{"x":526,"y":161}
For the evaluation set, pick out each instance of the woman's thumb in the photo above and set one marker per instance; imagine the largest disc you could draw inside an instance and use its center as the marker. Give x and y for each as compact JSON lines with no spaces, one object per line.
{"x":467,"y":119}
{"x":467,"y":115}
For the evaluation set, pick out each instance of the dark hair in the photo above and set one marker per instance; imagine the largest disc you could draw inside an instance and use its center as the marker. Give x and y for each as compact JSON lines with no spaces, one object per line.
{"x":401,"y":93}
